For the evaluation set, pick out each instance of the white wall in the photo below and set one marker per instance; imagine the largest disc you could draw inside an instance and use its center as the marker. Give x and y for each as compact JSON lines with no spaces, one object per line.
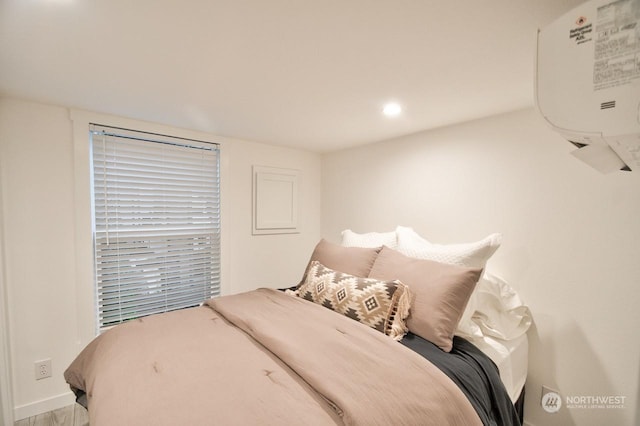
{"x":6,"y":403}
{"x":570,"y":243}
{"x":47,"y":242}
{"x":269,"y":260}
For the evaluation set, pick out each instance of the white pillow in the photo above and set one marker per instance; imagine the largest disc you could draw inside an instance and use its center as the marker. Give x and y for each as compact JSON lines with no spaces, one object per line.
{"x":500,"y":312}
{"x":496,"y":310}
{"x":369,"y":240}
{"x":473,"y":255}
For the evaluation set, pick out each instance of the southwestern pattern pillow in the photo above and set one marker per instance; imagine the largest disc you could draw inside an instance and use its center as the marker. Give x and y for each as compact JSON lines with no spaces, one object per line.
{"x":382,"y":305}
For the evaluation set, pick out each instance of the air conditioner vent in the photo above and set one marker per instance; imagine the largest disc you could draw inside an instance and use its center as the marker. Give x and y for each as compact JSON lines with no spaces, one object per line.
{"x":607,"y":105}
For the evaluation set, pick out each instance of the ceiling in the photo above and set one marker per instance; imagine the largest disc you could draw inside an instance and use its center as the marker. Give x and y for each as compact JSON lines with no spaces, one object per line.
{"x":310,"y":74}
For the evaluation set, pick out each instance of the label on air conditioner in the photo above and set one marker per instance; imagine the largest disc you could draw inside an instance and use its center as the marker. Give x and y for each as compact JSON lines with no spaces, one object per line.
{"x":617,"y":44}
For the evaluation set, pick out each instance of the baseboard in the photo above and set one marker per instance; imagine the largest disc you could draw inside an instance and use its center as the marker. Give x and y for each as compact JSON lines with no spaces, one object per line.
{"x":43,"y":406}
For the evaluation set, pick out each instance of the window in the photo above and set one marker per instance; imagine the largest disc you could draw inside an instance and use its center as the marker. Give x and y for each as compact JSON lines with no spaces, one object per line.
{"x":156,"y":223}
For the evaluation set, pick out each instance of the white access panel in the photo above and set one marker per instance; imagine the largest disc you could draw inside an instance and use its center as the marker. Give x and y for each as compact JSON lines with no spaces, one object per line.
{"x":275,"y":200}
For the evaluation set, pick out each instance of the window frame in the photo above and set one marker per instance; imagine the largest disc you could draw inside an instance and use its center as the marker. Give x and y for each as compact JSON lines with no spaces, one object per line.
{"x":156,"y":222}
{"x":83,"y":238}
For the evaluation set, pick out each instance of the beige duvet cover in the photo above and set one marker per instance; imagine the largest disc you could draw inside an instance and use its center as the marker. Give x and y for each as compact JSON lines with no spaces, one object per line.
{"x":261,"y":358}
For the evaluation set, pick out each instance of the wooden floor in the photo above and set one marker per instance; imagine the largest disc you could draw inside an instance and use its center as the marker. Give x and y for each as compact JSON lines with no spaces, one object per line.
{"x":73,"y":415}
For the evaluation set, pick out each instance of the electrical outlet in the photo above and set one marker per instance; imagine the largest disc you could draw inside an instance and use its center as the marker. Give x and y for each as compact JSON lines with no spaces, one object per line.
{"x":43,"y":369}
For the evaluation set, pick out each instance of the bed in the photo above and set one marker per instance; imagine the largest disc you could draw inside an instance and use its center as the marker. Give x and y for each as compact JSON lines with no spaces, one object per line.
{"x":495,"y":319}
{"x":347,"y":345}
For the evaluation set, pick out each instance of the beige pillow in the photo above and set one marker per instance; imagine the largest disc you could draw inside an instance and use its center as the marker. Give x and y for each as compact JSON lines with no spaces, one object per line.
{"x":440,"y":292}
{"x":473,"y":254}
{"x":350,"y":260}
{"x":382,"y":305}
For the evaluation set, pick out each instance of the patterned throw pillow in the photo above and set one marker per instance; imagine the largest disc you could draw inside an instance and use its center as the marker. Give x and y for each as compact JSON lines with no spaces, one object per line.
{"x":382,"y":305}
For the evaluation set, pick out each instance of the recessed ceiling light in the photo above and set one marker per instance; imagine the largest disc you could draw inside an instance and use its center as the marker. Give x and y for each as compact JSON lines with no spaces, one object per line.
{"x":392,"y":109}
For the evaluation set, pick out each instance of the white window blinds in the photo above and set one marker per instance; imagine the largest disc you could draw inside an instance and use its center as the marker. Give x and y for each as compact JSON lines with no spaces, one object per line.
{"x":156,"y":228}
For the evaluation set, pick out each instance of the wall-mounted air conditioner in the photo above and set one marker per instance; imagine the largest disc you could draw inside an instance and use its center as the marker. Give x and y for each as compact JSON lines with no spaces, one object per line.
{"x":588,"y":81}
